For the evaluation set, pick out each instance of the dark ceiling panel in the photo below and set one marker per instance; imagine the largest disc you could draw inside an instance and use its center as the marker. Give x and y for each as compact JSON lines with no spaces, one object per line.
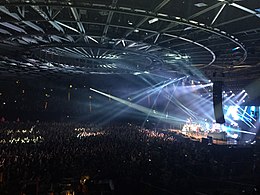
{"x":145,"y":5}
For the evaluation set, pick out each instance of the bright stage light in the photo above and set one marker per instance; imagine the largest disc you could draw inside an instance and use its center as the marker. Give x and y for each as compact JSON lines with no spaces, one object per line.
{"x":140,"y":108}
{"x":153,"y":20}
{"x":241,"y":113}
{"x":137,"y":73}
{"x":236,"y":48}
{"x":246,"y":132}
{"x":242,"y":99}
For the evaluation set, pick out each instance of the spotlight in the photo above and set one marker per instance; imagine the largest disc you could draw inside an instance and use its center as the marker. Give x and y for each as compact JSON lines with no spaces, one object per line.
{"x":129,"y":22}
{"x":137,"y":73}
{"x":123,"y":42}
{"x":153,"y":20}
{"x":236,"y":48}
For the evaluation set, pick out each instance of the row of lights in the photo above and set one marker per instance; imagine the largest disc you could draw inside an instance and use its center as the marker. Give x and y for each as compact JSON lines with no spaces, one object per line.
{"x":224,"y":92}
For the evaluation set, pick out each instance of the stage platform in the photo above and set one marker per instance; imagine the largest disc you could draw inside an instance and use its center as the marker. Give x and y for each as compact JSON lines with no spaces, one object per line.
{"x":217,"y":139}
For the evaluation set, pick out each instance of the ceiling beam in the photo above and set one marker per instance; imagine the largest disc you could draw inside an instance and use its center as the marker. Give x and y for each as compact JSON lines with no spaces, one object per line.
{"x":109,"y":18}
{"x":46,"y":17}
{"x":234,"y":20}
{"x":77,"y":18}
{"x":137,"y":26}
{"x":156,"y":9}
{"x":56,"y":13}
{"x":219,"y":12}
{"x":206,"y":10}
{"x":161,"y":5}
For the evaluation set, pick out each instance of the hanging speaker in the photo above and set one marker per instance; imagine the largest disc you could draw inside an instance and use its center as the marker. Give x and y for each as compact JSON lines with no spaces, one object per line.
{"x":217,"y":102}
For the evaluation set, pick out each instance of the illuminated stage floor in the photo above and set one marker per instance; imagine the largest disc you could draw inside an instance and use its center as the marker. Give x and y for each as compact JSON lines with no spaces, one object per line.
{"x":204,"y":138}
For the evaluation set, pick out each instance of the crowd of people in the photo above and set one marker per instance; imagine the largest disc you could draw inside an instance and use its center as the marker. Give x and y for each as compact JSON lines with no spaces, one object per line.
{"x":45,"y":153}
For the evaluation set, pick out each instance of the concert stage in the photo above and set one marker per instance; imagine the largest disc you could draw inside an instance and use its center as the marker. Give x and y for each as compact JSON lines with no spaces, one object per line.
{"x":217,"y":138}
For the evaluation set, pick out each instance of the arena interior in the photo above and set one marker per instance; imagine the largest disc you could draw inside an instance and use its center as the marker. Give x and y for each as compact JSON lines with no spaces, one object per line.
{"x":112,"y":97}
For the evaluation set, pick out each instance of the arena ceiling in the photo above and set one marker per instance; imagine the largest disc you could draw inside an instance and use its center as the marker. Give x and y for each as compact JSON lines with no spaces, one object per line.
{"x":74,"y":38}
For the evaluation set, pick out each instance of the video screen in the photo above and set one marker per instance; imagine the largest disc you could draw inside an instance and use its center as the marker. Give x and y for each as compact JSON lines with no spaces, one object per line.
{"x":245,"y":116}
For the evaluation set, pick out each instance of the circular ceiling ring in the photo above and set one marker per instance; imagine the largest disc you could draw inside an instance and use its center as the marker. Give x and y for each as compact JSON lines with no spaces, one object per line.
{"x":134,"y":12}
{"x":34,"y":46}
